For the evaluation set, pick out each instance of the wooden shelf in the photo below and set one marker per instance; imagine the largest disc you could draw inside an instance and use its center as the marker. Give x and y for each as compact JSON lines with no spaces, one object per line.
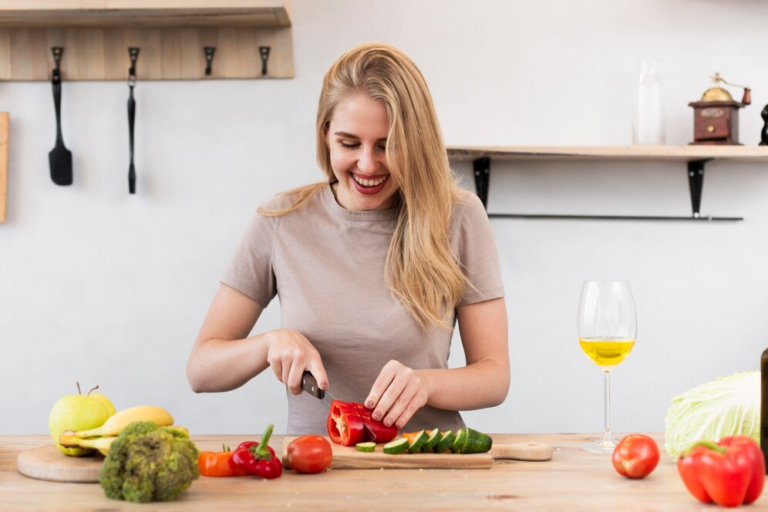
{"x":695,"y":158}
{"x":144,"y":13}
{"x":172,"y":34}
{"x":657,"y":153}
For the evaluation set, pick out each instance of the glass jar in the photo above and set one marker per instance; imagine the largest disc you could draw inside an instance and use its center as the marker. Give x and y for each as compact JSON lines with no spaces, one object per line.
{"x":648,"y":120}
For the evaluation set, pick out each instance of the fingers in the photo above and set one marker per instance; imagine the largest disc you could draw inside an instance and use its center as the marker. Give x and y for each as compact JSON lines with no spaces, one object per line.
{"x":380,"y":386}
{"x":405,"y":405}
{"x":397,"y":394}
{"x":290,"y":354}
{"x":315,"y":366}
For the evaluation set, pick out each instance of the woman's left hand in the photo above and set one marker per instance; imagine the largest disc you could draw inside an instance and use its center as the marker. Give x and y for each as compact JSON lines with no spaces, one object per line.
{"x":397,"y":394}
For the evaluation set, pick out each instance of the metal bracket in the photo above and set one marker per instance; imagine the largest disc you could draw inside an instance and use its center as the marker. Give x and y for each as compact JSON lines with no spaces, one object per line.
{"x":696,"y":183}
{"x":482,"y":170}
{"x":264,"y":54}
{"x":209,"y":53}
{"x":57,"y":52}
{"x":133,"y":53}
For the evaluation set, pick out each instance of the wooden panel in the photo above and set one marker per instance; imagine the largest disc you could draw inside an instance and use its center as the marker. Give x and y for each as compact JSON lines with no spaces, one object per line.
{"x":4,"y":128}
{"x":144,"y":13}
{"x":659,"y":153}
{"x":166,"y":53}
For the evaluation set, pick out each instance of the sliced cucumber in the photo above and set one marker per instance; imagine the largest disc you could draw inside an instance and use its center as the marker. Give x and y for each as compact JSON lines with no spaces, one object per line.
{"x":458,"y":443}
{"x":476,"y":442}
{"x":446,"y":440}
{"x":432,"y":440}
{"x":396,"y":446}
{"x":366,"y":447}
{"x":418,"y":441}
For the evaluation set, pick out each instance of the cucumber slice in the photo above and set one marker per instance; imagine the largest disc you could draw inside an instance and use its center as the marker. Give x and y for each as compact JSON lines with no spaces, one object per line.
{"x":418,"y":441}
{"x":396,"y":446}
{"x":366,"y":447}
{"x":446,"y":440}
{"x":477,"y":442}
{"x":458,"y":443}
{"x":432,"y":440}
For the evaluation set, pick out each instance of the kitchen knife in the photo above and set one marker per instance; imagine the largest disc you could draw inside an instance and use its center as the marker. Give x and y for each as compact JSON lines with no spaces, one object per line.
{"x":309,"y":384}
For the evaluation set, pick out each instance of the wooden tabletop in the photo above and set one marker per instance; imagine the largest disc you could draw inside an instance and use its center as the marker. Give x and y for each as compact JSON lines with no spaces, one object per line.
{"x":573,"y":480}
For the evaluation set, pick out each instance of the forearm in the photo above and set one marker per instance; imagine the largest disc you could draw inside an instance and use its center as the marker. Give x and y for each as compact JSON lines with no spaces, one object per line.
{"x":482,"y":384}
{"x":222,"y":365}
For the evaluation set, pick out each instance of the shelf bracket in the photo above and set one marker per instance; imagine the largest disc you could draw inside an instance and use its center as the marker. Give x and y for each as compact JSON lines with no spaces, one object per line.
{"x":482,"y":171}
{"x":696,"y":184}
{"x":482,"y":168}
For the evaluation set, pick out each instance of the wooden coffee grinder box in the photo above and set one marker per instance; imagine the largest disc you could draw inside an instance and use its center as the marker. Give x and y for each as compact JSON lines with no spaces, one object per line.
{"x":716,"y":115}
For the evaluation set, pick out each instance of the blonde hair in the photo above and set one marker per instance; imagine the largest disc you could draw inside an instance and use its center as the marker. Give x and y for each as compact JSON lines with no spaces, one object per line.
{"x":421,"y":270}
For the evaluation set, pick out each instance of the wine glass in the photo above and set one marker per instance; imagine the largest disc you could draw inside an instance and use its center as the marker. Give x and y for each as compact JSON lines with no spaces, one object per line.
{"x":607,"y":327}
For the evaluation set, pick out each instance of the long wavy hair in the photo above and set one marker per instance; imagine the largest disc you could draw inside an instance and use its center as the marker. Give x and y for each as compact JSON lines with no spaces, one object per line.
{"x":421,"y":269}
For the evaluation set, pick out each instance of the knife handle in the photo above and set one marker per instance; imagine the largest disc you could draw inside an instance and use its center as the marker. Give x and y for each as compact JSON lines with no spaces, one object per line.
{"x":309,"y":384}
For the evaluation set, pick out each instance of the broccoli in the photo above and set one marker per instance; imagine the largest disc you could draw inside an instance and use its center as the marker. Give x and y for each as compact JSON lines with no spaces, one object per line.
{"x":149,"y":463}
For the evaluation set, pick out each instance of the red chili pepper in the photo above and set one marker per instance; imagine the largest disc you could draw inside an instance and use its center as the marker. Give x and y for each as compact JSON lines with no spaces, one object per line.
{"x":730,"y":472}
{"x":350,"y":423}
{"x":259,"y":458}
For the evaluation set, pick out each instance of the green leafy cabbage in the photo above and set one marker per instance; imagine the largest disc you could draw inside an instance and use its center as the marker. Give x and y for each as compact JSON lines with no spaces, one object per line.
{"x":728,"y":406}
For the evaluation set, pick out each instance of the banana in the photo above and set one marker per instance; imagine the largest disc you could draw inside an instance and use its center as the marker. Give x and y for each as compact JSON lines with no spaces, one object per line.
{"x":118,"y":421}
{"x":68,"y":439}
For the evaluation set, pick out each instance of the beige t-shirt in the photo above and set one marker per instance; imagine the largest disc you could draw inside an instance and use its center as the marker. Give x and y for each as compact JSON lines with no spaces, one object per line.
{"x":326,"y":265}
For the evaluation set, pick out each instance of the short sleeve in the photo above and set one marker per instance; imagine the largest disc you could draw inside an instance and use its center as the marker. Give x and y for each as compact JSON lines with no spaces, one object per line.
{"x":475,"y":247}
{"x":251,"y":270}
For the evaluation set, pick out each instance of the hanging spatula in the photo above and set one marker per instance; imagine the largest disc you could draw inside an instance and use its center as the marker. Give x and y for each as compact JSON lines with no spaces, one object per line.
{"x":60,"y":158}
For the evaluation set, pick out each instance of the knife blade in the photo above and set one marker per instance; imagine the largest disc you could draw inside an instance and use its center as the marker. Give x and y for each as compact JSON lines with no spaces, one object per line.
{"x":309,"y":384}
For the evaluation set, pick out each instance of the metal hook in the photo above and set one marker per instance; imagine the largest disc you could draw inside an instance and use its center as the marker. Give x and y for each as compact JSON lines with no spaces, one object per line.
{"x":133,"y":53}
{"x":57,"y":52}
{"x":209,"y":52}
{"x":264,"y":52}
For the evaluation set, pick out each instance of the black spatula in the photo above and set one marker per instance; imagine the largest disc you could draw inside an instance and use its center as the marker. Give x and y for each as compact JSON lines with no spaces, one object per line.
{"x":60,"y":158}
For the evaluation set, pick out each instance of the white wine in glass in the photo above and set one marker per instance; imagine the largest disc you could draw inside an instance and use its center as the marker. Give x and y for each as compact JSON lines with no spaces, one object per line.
{"x":607,"y":328}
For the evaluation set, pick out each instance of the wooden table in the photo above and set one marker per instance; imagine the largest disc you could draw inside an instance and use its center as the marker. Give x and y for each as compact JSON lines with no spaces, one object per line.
{"x":572,"y":480}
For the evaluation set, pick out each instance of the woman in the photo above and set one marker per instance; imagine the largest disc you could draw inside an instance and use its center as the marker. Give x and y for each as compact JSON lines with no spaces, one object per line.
{"x":372,"y":267}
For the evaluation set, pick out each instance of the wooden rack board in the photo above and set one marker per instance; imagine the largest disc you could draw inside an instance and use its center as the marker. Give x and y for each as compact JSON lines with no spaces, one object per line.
{"x":172,"y":35}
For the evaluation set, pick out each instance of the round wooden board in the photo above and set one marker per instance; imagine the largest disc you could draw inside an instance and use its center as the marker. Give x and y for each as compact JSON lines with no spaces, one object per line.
{"x":48,"y":463}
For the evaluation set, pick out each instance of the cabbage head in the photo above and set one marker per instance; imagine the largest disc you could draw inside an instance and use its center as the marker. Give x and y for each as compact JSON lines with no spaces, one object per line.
{"x":728,"y":406}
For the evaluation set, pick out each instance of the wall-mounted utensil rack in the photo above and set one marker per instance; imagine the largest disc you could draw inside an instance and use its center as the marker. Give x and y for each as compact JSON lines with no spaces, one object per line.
{"x":173,"y":36}
{"x":695,"y":158}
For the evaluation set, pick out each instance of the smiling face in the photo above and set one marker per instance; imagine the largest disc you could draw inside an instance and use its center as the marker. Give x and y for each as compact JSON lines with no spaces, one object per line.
{"x":357,"y":139}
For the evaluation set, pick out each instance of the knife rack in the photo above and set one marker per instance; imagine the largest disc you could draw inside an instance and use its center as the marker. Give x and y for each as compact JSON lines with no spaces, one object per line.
{"x":173,"y":36}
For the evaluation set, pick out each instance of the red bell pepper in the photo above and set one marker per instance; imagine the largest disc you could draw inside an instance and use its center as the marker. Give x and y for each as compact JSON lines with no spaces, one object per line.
{"x":730,"y":472}
{"x":259,"y":458}
{"x":350,"y":423}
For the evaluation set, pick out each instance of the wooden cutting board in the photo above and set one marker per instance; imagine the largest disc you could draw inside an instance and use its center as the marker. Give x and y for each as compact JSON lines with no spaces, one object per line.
{"x":348,"y":457}
{"x":48,"y":463}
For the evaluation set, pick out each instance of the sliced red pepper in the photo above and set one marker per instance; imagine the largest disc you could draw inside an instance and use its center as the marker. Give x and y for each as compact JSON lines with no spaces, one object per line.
{"x":345,"y":426}
{"x":374,"y":430}
{"x":730,"y":473}
{"x":350,"y":423}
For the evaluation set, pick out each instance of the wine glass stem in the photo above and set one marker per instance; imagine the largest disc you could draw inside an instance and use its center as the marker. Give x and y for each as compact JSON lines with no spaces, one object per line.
{"x":607,"y":402}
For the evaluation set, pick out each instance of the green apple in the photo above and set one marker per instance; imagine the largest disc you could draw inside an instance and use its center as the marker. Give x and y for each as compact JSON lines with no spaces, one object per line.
{"x":76,"y":412}
{"x":106,"y":401}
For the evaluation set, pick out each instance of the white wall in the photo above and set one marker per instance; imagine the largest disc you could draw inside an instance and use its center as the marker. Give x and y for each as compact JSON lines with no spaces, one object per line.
{"x":103,"y":288}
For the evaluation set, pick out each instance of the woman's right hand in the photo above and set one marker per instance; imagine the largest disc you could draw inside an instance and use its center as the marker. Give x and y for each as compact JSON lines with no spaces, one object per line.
{"x":289,"y":354}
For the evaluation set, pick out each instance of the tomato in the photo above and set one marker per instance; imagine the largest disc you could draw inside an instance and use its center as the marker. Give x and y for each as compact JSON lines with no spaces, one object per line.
{"x":636,"y":456}
{"x":309,"y":454}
